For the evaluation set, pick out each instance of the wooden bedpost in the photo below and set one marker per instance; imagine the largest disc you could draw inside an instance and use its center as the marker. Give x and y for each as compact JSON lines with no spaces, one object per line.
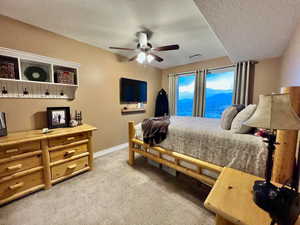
{"x":131,"y":133}
{"x":285,"y":154}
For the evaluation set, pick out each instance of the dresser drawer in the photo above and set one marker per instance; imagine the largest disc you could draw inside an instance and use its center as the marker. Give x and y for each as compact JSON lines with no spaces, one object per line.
{"x":19,"y":165}
{"x":11,"y":150}
{"x":20,"y":184}
{"x":67,"y":139}
{"x":66,"y":153}
{"x":68,"y":168}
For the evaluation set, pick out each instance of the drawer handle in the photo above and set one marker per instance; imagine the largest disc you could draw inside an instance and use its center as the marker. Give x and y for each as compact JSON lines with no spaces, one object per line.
{"x":69,"y":153}
{"x":71,"y":167}
{"x":70,"y":138}
{"x":15,"y":186}
{"x":15,"y":167}
{"x":12,"y":150}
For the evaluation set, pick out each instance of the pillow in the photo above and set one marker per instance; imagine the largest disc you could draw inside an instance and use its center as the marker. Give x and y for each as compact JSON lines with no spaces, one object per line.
{"x":227,"y":117}
{"x":237,"y":125}
{"x":229,"y":114}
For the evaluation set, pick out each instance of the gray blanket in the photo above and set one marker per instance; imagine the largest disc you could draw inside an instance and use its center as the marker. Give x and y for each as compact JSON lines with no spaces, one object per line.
{"x":203,"y":138}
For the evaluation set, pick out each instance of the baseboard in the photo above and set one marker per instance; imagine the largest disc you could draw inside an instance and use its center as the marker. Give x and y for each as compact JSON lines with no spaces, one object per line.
{"x":110,"y":150}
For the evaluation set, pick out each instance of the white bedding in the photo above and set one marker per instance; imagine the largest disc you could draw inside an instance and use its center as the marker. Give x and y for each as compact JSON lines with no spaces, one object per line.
{"x":204,"y":139}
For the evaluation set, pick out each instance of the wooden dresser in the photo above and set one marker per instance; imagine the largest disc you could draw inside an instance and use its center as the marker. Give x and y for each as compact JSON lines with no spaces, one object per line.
{"x":30,"y":160}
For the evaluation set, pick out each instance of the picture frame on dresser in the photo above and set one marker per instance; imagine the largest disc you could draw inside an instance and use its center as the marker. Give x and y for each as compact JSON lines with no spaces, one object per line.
{"x":58,"y":117}
{"x":3,"y":127}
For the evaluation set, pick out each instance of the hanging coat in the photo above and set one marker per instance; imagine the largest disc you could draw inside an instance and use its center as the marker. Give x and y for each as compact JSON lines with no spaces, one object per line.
{"x":162,"y":104}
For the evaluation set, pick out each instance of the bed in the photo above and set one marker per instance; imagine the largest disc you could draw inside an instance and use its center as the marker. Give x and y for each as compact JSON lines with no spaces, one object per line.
{"x":200,"y":148}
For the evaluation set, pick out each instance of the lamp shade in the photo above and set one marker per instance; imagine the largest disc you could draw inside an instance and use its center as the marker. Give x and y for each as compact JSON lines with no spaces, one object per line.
{"x":274,"y":112}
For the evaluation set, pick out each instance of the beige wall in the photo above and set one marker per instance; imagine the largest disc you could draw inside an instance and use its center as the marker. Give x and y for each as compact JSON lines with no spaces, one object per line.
{"x":98,"y":94}
{"x":290,"y":70}
{"x":266,"y":80}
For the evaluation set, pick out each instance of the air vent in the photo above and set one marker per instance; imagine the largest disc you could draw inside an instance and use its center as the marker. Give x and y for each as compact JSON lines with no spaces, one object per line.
{"x":194,"y":56}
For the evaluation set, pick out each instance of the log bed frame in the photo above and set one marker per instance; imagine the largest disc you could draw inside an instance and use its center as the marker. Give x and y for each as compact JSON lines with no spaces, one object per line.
{"x":197,"y":174}
{"x":284,"y":157}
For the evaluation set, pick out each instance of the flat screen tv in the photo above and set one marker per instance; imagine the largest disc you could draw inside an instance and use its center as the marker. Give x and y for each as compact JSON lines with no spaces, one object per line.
{"x":133,"y":91}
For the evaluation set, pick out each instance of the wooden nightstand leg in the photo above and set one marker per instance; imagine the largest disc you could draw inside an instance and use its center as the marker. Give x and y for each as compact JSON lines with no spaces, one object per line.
{"x":221,"y":221}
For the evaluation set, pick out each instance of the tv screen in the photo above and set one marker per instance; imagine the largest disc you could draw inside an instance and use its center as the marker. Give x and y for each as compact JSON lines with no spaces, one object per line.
{"x":133,"y":91}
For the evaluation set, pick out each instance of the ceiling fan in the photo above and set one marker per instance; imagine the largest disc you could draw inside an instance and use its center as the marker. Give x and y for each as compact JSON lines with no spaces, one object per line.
{"x":145,"y":49}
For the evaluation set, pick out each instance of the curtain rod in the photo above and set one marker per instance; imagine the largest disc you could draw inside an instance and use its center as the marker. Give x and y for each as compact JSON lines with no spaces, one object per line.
{"x":185,"y":72}
{"x":216,"y":68}
{"x":223,"y":67}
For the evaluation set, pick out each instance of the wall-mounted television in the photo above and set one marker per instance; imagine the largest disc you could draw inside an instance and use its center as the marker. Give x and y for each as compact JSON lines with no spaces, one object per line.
{"x":133,"y":91}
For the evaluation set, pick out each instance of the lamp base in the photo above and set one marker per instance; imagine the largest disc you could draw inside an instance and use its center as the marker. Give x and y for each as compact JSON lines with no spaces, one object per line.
{"x":283,"y":204}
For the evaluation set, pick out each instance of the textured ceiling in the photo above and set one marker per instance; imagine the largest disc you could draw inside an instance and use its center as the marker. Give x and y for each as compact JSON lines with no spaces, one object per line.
{"x":252,"y":29}
{"x":105,"y":23}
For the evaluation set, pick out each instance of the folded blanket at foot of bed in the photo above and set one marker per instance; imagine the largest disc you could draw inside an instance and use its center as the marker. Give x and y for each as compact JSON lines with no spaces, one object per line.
{"x":155,"y":130}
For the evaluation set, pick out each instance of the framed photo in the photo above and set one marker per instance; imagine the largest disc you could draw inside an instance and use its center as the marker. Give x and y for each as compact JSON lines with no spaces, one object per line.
{"x":9,"y":67}
{"x":65,"y":75}
{"x":3,"y":127}
{"x":58,"y":117}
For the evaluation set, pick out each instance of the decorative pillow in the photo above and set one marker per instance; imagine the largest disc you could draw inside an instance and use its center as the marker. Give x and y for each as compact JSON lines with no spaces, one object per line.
{"x":227,"y":117}
{"x":229,"y":114}
{"x":237,"y":125}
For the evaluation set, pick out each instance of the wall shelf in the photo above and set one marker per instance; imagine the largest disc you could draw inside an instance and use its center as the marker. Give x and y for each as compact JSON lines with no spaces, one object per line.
{"x":20,"y":76}
{"x":133,"y":110}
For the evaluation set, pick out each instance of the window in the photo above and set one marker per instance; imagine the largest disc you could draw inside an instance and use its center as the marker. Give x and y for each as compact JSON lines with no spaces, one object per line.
{"x":185,"y":94}
{"x":218,"y":91}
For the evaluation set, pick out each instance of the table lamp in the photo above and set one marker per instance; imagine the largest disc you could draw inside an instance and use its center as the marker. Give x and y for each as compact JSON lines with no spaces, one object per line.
{"x":275,"y":112}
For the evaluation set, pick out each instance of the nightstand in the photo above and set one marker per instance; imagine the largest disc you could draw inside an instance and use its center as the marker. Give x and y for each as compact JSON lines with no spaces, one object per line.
{"x":231,"y":200}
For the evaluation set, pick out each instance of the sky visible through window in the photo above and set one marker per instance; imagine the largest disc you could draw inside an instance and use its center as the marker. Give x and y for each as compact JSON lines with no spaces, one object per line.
{"x":185,"y":95}
{"x":219,"y":89}
{"x":218,"y":93}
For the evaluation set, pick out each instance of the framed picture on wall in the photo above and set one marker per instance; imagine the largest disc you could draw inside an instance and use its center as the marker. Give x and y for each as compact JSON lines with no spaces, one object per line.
{"x":9,"y":67}
{"x":3,"y":127}
{"x":58,"y":117}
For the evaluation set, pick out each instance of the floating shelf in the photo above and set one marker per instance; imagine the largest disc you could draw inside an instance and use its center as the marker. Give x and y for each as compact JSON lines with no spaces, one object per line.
{"x":27,"y":75}
{"x":133,"y":110}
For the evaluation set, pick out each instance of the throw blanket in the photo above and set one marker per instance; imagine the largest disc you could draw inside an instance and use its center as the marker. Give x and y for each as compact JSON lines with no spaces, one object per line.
{"x":155,"y":130}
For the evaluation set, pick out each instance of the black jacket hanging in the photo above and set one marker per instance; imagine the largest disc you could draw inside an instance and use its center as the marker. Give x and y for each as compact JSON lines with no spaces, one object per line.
{"x":162,"y":104}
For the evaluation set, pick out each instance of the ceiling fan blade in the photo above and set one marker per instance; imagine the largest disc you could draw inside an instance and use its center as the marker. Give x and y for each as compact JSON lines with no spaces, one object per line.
{"x":167,"y":48}
{"x":157,"y":58}
{"x":128,"y":49}
{"x":133,"y":58}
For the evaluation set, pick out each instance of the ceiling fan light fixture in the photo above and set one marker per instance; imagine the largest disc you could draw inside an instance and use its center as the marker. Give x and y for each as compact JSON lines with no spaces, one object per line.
{"x":150,"y":58}
{"x":141,"y":57}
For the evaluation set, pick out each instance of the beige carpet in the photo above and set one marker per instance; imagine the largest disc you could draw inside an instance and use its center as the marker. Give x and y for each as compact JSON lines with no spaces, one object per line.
{"x":114,"y":193}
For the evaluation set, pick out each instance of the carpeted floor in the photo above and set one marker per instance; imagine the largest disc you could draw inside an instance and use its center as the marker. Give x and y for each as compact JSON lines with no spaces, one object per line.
{"x":114,"y":193}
